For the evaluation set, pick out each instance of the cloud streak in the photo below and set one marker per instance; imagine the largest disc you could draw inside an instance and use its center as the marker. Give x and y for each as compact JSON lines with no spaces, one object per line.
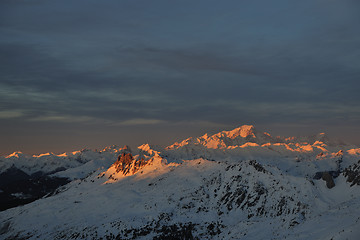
{"x":10,"y":114}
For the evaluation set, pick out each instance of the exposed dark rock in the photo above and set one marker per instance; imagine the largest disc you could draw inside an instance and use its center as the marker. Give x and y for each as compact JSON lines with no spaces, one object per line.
{"x":257,"y":166}
{"x":327,"y":177}
{"x":4,"y":228}
{"x":281,"y":206}
{"x":352,"y":173}
{"x":319,"y":175}
{"x":294,"y":223}
{"x":183,"y":231}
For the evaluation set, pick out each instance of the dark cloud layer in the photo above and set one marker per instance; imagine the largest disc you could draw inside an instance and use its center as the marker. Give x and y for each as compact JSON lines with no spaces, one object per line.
{"x":96,"y":71}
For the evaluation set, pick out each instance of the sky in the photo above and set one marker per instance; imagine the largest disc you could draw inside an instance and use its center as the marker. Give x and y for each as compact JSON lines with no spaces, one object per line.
{"x":88,"y":74}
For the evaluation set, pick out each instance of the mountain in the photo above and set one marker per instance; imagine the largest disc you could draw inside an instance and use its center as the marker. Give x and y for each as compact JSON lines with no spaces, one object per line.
{"x":247,"y":142}
{"x":224,"y":186}
{"x":25,"y":178}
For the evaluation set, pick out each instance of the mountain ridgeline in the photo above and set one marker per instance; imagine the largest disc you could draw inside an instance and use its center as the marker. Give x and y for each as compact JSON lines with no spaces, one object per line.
{"x":222,"y":186}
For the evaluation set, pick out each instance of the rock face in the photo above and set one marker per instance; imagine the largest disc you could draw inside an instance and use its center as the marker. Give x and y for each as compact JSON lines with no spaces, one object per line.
{"x":352,"y":173}
{"x":127,"y":165}
{"x":123,"y":163}
{"x":326,"y":176}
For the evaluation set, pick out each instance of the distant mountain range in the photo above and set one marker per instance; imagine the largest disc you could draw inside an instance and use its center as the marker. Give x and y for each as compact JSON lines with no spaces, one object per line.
{"x":238,"y":184}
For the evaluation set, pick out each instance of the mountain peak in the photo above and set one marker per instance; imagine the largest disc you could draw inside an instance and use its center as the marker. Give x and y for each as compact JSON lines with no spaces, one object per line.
{"x":242,"y":131}
{"x":148,"y":150}
{"x":126,"y":149}
{"x":16,"y":154}
{"x":249,"y":138}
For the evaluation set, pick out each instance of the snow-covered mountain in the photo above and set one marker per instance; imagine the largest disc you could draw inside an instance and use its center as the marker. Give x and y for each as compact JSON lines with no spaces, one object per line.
{"x":51,"y":163}
{"x":25,"y":178}
{"x":238,"y":184}
{"x":246,"y":141}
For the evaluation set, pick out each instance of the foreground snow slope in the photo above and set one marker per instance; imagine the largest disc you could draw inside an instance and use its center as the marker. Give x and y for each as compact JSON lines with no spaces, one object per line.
{"x":231,"y":192}
{"x":215,"y":200}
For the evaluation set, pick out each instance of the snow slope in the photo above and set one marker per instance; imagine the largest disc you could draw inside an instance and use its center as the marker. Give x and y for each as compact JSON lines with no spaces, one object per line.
{"x":238,"y":184}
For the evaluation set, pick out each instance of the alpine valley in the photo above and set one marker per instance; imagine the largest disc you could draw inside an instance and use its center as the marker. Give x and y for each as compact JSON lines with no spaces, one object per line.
{"x":238,"y":184}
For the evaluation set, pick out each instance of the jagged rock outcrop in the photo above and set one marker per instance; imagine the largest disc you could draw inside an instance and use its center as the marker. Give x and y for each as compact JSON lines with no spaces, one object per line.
{"x":126,"y":164}
{"x":352,"y":173}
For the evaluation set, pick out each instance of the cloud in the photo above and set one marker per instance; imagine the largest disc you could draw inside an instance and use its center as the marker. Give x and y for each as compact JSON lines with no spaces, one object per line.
{"x":65,"y":119}
{"x":96,"y":121}
{"x":138,"y":121}
{"x":10,"y":114}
